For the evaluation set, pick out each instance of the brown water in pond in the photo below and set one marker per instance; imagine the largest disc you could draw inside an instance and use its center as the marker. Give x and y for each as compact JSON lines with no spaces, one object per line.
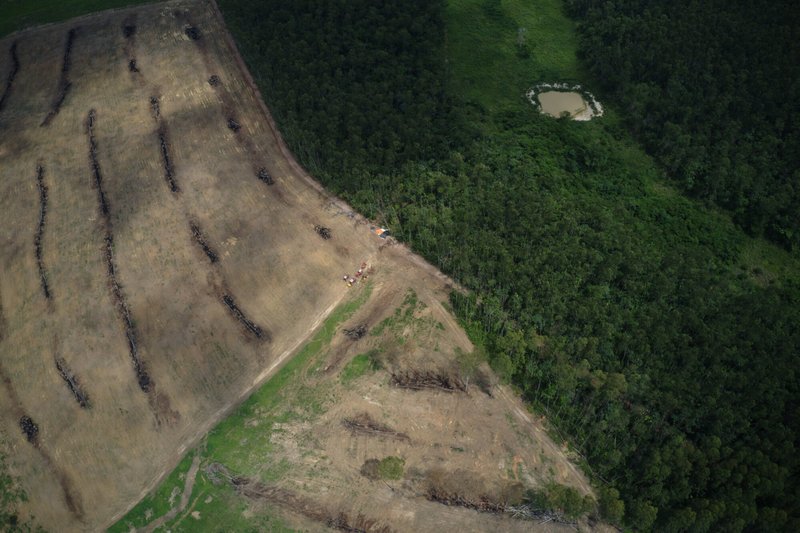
{"x":554,"y":103}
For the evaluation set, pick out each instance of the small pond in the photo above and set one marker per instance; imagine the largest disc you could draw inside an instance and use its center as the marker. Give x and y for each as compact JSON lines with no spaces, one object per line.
{"x":557,"y":99}
{"x":555,"y":103}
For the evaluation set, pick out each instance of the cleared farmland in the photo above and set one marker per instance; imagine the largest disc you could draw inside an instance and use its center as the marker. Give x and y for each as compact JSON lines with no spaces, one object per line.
{"x":161,"y":258}
{"x":103,"y":285}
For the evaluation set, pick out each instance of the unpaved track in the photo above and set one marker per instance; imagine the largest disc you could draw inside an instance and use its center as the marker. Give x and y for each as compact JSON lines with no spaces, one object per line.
{"x":188,"y":486}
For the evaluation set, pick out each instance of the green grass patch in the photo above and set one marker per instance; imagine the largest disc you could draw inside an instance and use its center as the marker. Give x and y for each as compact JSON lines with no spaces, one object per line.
{"x":391,"y":467}
{"x":19,"y":14}
{"x":360,"y":365}
{"x":158,"y":503}
{"x":404,"y":316}
{"x":482,"y":43}
{"x":219,"y":508}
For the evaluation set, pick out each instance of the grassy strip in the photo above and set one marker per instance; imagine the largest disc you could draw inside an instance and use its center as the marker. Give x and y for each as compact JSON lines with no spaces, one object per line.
{"x":359,"y":365}
{"x":482,"y":41}
{"x":244,"y":443}
{"x":157,"y":503}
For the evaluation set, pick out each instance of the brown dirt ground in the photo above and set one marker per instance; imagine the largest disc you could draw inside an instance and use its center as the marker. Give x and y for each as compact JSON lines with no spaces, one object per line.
{"x":91,"y":465}
{"x":486,"y":442}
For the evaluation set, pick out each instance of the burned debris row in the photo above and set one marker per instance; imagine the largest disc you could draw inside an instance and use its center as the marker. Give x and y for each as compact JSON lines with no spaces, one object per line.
{"x":193,"y":33}
{"x":12,"y":74}
{"x":31,"y":431}
{"x":228,"y":106}
{"x":365,"y":425}
{"x":169,"y":173}
{"x":356,"y":332}
{"x":29,"y":428}
{"x":142,"y":377}
{"x":37,"y":241}
{"x":483,"y":504}
{"x":163,"y":142}
{"x":72,"y":382}
{"x":258,"y":491}
{"x":265,"y":176}
{"x":129,"y":31}
{"x":96,"y":174}
{"x":418,"y":380}
{"x":241,"y":317}
{"x":201,"y":240}
{"x":155,"y":108}
{"x":323,"y":232}
{"x":63,"y":83}
{"x":234,"y":125}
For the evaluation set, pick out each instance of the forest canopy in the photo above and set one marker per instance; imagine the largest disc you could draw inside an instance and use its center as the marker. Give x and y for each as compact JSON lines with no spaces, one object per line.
{"x":712,"y":89}
{"x":650,"y":329}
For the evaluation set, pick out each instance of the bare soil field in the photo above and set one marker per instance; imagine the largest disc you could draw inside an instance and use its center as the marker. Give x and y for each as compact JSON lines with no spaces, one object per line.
{"x":162,"y":257}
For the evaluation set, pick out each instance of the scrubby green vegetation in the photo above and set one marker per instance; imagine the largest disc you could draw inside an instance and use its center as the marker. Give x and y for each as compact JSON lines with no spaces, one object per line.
{"x":711,"y":88}
{"x":656,"y":335}
{"x":388,"y":468}
{"x":159,"y":502}
{"x":391,"y":467}
{"x":360,"y":365}
{"x":562,"y":499}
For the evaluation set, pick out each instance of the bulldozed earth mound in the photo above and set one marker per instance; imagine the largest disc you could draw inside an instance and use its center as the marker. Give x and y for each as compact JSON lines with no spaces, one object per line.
{"x":161,"y":258}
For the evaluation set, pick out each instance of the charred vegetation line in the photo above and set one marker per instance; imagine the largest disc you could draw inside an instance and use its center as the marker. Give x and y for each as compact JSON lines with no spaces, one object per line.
{"x":37,"y":241}
{"x":237,"y":313}
{"x":12,"y":74}
{"x":227,"y":104}
{"x":96,"y":174}
{"x":30,"y":430}
{"x":163,"y":141}
{"x":72,"y":382}
{"x":169,"y":173}
{"x":129,"y":32}
{"x":255,"y":490}
{"x":201,"y":240}
{"x":64,"y":84}
{"x":120,"y":302}
{"x":155,"y":108}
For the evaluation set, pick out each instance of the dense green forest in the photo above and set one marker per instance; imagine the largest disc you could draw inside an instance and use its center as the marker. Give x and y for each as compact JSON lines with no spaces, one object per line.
{"x":712,"y":88}
{"x":659,"y":339}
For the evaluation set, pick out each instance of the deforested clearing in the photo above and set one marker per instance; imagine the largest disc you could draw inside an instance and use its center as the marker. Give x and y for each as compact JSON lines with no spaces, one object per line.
{"x":138,"y":290}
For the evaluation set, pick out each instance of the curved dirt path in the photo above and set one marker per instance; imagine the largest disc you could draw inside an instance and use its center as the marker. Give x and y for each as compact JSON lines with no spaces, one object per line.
{"x":191,"y":476}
